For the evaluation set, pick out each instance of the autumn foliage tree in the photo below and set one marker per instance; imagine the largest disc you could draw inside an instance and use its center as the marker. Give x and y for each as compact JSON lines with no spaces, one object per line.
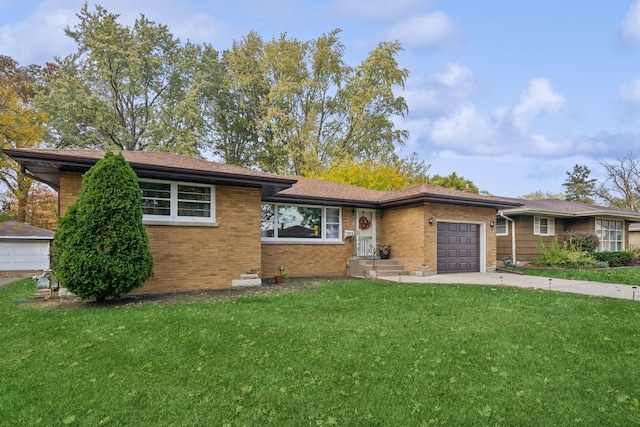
{"x":41,"y":209}
{"x":396,"y":174}
{"x":101,"y":248}
{"x":21,"y":126}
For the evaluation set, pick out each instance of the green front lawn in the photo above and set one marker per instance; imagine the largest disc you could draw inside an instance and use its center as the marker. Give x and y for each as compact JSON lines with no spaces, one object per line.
{"x":347,"y":353}
{"x":623,"y":276}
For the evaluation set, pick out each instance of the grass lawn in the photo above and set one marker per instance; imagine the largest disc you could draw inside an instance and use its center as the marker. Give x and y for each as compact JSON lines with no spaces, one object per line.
{"x":350,"y":352}
{"x":623,"y":276}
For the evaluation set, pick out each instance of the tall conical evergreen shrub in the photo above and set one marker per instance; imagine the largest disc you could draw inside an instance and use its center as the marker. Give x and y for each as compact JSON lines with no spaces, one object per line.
{"x":101,"y":248}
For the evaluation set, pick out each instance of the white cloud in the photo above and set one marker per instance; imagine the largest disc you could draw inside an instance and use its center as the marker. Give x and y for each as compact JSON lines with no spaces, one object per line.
{"x":542,"y":146}
{"x":455,"y":75}
{"x":466,"y":130}
{"x":539,"y":97}
{"x":40,"y":37}
{"x":429,"y":30}
{"x":24,"y":41}
{"x":440,"y":92}
{"x":630,"y":31}
{"x":631,"y":94}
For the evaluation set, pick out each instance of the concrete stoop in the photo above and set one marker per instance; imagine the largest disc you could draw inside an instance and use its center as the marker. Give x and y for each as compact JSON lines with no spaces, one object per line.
{"x":376,"y":268}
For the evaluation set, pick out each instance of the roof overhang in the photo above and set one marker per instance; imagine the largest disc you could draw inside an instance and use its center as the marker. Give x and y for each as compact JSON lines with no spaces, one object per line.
{"x":327,"y":201}
{"x":449,"y":200}
{"x":628,"y":215}
{"x":46,"y":167}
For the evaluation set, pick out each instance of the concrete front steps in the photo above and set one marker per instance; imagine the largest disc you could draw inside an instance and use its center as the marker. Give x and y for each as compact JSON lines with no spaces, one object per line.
{"x":376,"y":268}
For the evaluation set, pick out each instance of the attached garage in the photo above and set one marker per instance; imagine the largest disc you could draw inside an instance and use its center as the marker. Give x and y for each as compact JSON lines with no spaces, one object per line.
{"x":458,"y":247}
{"x":23,"y":248}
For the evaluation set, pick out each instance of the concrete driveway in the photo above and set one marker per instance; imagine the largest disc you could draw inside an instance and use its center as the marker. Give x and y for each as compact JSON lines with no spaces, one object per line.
{"x":5,"y":280}
{"x":531,"y":282}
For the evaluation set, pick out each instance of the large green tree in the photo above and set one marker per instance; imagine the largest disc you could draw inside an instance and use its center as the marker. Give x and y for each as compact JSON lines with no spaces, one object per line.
{"x":237,"y":106}
{"x":21,"y":126}
{"x":579,"y":187}
{"x":128,"y":88}
{"x":101,"y":248}
{"x":296,"y":107}
{"x":454,"y":182}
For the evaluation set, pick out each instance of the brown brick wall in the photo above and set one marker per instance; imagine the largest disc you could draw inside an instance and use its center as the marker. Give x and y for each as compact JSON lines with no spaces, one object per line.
{"x":413,"y":240}
{"x":404,"y":229}
{"x":70,"y":186}
{"x":196,"y":257}
{"x":307,"y":259}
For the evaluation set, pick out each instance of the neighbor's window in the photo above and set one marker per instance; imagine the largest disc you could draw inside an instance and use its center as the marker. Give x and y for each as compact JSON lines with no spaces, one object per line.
{"x":177,"y":201}
{"x":611,"y":235}
{"x":501,"y":227}
{"x":299,"y":222}
{"x":543,"y":226}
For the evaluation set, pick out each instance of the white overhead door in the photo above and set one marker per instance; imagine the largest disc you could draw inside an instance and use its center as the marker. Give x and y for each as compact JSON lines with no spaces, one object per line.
{"x":24,"y":255}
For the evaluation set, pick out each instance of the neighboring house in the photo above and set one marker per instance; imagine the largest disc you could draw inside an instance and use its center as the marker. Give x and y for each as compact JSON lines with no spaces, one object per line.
{"x":24,"y":249}
{"x":634,"y":235}
{"x":210,"y":225}
{"x":519,"y":229}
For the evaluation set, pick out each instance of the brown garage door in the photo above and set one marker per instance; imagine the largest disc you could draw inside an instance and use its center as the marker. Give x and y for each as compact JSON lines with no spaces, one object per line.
{"x":458,"y":247}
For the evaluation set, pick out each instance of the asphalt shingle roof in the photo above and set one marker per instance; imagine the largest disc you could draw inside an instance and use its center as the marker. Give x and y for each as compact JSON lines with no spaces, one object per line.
{"x":13,"y":229}
{"x":569,"y":209}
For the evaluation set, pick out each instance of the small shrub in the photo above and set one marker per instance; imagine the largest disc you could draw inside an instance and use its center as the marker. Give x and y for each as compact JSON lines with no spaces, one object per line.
{"x":581,"y":240}
{"x":549,"y":256}
{"x":565,"y":255}
{"x":616,"y":259}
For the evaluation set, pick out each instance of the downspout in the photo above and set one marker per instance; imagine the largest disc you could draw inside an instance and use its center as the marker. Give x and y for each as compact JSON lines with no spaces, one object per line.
{"x":513,"y":235}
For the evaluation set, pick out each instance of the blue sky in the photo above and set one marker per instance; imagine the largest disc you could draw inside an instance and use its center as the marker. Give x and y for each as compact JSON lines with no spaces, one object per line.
{"x":509,"y":94}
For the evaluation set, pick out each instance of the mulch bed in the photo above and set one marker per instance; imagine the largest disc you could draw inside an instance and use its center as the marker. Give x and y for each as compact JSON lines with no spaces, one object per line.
{"x":195,"y":296}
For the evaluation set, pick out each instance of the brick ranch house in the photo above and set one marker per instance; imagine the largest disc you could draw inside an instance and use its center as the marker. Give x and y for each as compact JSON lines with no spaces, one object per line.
{"x":210,"y":224}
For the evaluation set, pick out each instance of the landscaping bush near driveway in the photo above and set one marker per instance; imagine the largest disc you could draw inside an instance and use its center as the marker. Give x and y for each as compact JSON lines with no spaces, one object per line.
{"x":346,"y":353}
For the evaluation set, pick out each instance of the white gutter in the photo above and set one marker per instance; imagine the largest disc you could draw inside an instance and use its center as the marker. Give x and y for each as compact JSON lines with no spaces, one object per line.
{"x":513,"y":235}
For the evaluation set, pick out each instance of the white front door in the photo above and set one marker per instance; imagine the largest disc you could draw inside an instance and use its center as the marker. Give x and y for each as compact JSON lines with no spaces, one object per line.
{"x":366,"y":232}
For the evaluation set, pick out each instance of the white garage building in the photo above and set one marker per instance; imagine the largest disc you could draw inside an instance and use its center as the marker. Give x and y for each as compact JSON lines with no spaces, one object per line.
{"x":24,"y":249}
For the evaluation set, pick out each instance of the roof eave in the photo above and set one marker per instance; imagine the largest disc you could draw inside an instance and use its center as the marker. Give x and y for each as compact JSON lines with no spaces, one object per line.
{"x":47,"y":166}
{"x":306,"y":200}
{"x":450,"y":200}
{"x":559,"y":214}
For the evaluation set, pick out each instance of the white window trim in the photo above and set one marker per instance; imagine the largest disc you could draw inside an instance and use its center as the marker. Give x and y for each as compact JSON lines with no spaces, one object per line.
{"x":551,"y":226}
{"x":173,"y":218}
{"x":506,"y":227}
{"x":319,"y":241}
{"x":599,"y":221}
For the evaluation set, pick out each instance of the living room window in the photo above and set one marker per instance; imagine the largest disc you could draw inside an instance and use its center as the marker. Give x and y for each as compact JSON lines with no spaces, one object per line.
{"x":543,"y":226}
{"x":303,"y":223}
{"x":610,"y":234}
{"x":167,"y":201}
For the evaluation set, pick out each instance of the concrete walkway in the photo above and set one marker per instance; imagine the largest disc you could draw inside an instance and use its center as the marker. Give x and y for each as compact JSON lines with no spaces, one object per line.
{"x":531,"y":282}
